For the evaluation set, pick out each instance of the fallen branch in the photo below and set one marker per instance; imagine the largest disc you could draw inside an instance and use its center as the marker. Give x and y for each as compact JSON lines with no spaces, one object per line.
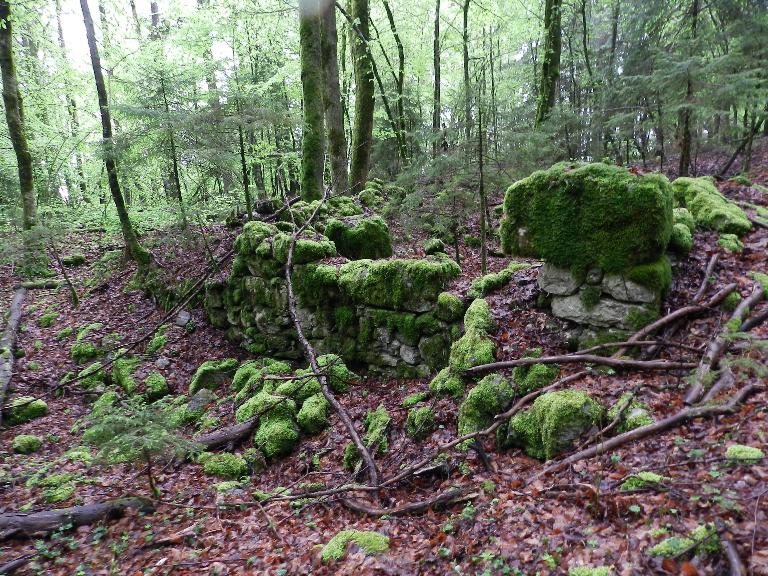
{"x":726,"y":380}
{"x":16,"y":563}
{"x":227,"y":436}
{"x":638,"y":433}
{"x":7,"y":343}
{"x":18,"y":525}
{"x":731,"y":553}
{"x":309,"y":352}
{"x":579,"y":359}
{"x":451,"y":496}
{"x":719,"y":345}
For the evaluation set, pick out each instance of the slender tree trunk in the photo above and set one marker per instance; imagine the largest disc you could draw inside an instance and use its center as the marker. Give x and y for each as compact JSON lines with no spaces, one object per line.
{"x":334,"y":114}
{"x":400,"y":83}
{"x":550,"y":62}
{"x":436,"y":94}
{"x":467,"y":94}
{"x":136,"y":21}
{"x":494,"y":108}
{"x":686,"y":111}
{"x":136,"y":251}
{"x":362,"y":134}
{"x":14,"y":116}
{"x":174,"y":161}
{"x":483,"y":199}
{"x":585,"y":36}
{"x":313,"y":138}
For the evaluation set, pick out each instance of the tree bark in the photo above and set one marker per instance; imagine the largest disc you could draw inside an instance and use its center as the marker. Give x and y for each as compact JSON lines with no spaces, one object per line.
{"x":686,"y":111}
{"x":137,"y":252}
{"x":334,"y":113}
{"x":362,"y":134}
{"x":550,"y":62}
{"x":14,"y":116}
{"x":400,"y":81}
{"x":313,"y":137}
{"x":436,"y":93}
{"x":465,"y":54}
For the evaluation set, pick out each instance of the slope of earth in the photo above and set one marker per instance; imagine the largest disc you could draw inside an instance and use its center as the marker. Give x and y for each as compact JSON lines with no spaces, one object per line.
{"x":508,"y":522}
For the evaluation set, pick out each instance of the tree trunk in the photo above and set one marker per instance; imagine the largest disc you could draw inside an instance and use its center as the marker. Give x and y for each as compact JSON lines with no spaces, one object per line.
{"x":135,"y":249}
{"x":14,"y":115}
{"x":362,"y":134}
{"x":313,"y":138}
{"x":400,"y":84}
{"x":436,"y":94}
{"x":550,"y":62}
{"x":467,"y":95}
{"x":174,"y":161}
{"x":686,"y":112}
{"x":334,"y":114}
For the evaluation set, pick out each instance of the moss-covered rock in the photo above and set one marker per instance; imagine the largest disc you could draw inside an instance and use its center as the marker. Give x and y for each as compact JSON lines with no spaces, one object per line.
{"x":420,"y":422}
{"x":681,"y":240}
{"x":446,"y":383}
{"x":369,"y":542}
{"x":104,"y":403}
{"x":122,"y":373}
{"x":709,"y":207}
{"x":683,"y":216}
{"x":360,"y":237}
{"x":309,"y":248}
{"x":489,"y":397}
{"x":23,"y":409}
{"x":26,"y":444}
{"x":300,"y":388}
{"x":75,"y":259}
{"x":433,"y":246}
{"x":449,"y":307}
{"x":478,"y":316}
{"x":643,"y":480}
{"x":155,"y":387}
{"x":212,"y":374}
{"x":224,"y":465}
{"x":313,"y":415}
{"x":534,"y":377}
{"x":376,"y":436}
{"x":398,"y":284}
{"x":553,"y":423}
{"x":93,"y":376}
{"x":339,"y":376}
{"x":744,"y":454}
{"x":277,"y":434}
{"x":577,"y":216}
{"x":731,"y":243}
{"x":635,"y":415}
{"x":704,"y":538}
{"x":81,"y":352}
{"x":474,"y":348}
{"x":434,"y":351}
{"x":484,"y":285}
{"x":415,"y":398}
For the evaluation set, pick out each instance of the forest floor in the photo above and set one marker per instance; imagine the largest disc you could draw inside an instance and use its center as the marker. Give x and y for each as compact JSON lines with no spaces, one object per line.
{"x":577,"y":516}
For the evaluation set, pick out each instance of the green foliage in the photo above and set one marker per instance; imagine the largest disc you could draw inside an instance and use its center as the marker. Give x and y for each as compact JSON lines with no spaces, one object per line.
{"x":709,"y":207}
{"x":48,"y":319}
{"x":578,"y":216}
{"x":65,"y":333}
{"x":420,"y":422}
{"x":368,"y":542}
{"x":26,"y":444}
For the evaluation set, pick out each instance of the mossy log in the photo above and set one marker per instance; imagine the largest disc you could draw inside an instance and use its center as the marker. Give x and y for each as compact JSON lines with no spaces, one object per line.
{"x":18,"y":525}
{"x":226,"y":436}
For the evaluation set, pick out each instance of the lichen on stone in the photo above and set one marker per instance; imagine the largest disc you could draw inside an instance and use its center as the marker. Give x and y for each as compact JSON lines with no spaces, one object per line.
{"x":420,"y":422}
{"x":369,"y":542}
{"x":212,"y":373}
{"x":26,"y":444}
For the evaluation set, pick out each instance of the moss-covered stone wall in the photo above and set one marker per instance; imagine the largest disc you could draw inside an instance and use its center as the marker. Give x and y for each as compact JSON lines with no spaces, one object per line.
{"x":378,"y":314}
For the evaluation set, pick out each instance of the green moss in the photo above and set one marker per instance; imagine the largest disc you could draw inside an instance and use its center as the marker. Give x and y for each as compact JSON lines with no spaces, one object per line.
{"x":73,"y":260}
{"x":306,"y":250}
{"x":446,"y":383}
{"x":683,"y":216}
{"x":65,"y":333}
{"x":435,"y":351}
{"x":744,"y":454}
{"x":122,"y":370}
{"x":26,"y":444}
{"x":244,"y":373}
{"x":420,"y":422}
{"x":83,"y":332}
{"x":414,"y":399}
{"x":535,"y":377}
{"x":760,"y":278}
{"x":704,"y":537}
{"x":300,"y":388}
{"x":401,"y":323}
{"x":709,"y":207}
{"x":376,"y":427}
{"x":643,"y":480}
{"x":472,"y":349}
{"x":313,"y":416}
{"x":315,"y":284}
{"x":590,"y":296}
{"x":345,"y":318}
{"x":360,"y":237}
{"x":93,"y":375}
{"x":155,"y":387}
{"x":681,"y":241}
{"x":656,"y":276}
{"x":639,"y":317}
{"x":397,"y":284}
{"x":339,"y":376}
{"x":157,"y":343}
{"x":449,"y":307}
{"x":277,"y":434}
{"x":212,"y":374}
{"x":489,"y":397}
{"x":59,"y":493}
{"x":224,"y":465}
{"x":635,"y":415}
{"x":478,"y":316}
{"x":228,"y":486}
{"x":369,"y":542}
{"x":23,"y":409}
{"x":433,"y":246}
{"x":253,"y":234}
{"x":47,"y":320}
{"x":263,"y":403}
{"x":590,"y":571}
{"x":741,"y":180}
{"x":104,"y":403}
{"x":370,"y":198}
{"x":81,"y":352}
{"x":553,"y":423}
{"x":578,"y":216}
{"x":484,"y":285}
{"x":732,"y":301}
{"x":428,"y":324}
{"x":255,"y":460}
{"x":731,"y":243}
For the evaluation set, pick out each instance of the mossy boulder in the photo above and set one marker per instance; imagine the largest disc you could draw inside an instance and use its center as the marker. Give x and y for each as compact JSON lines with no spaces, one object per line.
{"x":300,"y":388}
{"x":368,"y":542}
{"x":313,"y":415}
{"x":634,"y":414}
{"x":534,"y":377}
{"x":93,"y":376}
{"x":484,"y":285}
{"x":24,"y":409}
{"x":449,"y":307}
{"x":81,"y":352}
{"x":420,"y":422}
{"x":433,"y":246}
{"x":578,"y":216}
{"x":683,"y":216}
{"x":681,"y":240}
{"x":339,"y":376}
{"x":277,"y":434}
{"x":26,"y":444}
{"x":122,"y":373}
{"x":446,"y":383}
{"x":212,"y":374}
{"x":155,"y":387}
{"x":478,"y":316}
{"x":709,"y":207}
{"x":487,"y":399}
{"x":731,"y":243}
{"x":309,"y":248}
{"x":474,"y":348}
{"x":360,"y":237}
{"x":398,"y":284}
{"x":224,"y":465}
{"x":104,"y":403}
{"x":75,"y":259}
{"x":434,"y":351}
{"x":554,"y":422}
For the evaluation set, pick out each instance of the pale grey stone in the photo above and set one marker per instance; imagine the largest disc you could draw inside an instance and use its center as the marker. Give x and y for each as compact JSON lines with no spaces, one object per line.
{"x":626,"y":290}
{"x":410,"y":354}
{"x":558,"y":281}
{"x":201,"y":399}
{"x":162,"y":362}
{"x":607,"y":313}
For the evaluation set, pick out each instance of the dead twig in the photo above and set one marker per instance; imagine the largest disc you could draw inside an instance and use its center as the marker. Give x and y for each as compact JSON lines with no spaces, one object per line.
{"x":581,"y":359}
